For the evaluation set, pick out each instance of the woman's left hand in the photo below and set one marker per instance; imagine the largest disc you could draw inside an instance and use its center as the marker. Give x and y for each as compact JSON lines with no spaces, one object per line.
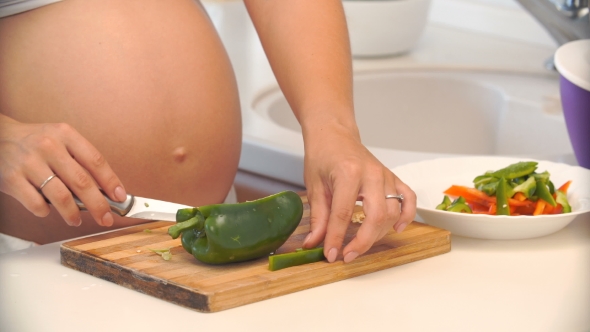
{"x":339,"y":171}
{"x":307,"y":44}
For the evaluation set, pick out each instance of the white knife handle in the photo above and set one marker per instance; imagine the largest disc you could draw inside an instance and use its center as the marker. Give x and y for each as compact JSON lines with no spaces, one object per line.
{"x":120,"y":208}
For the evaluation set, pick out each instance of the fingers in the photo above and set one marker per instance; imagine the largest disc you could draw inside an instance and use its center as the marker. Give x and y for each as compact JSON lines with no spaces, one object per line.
{"x":330,"y":221}
{"x":380,"y":215}
{"x":61,"y":198}
{"x":30,"y":154}
{"x":79,"y":176}
{"x":341,"y":212}
{"x":319,"y":213}
{"x":22,"y":183}
{"x":14,"y":184}
{"x":408,"y":212}
{"x":94,"y":162}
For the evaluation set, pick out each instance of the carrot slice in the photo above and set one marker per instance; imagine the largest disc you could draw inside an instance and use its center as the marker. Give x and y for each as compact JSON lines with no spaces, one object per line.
{"x":512,"y":209}
{"x":471,"y":195}
{"x":564,"y":187}
{"x":548,"y":209}
{"x":558,"y":209}
{"x":492,"y":209}
{"x":519,"y":196}
{"x":514,"y":202}
{"x":478,"y":208}
{"x":540,"y":207}
{"x":526,"y":210}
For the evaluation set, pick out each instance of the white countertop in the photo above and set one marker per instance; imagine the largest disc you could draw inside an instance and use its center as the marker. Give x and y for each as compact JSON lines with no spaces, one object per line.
{"x":527,"y":285}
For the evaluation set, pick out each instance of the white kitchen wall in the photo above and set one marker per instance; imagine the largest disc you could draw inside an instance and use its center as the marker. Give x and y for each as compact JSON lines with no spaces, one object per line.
{"x":501,"y":18}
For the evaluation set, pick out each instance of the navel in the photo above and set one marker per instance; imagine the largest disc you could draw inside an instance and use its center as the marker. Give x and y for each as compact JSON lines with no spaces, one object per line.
{"x":179,"y":154}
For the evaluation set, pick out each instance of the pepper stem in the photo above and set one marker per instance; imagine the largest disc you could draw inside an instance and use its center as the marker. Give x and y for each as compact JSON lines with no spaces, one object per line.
{"x":197,"y":222}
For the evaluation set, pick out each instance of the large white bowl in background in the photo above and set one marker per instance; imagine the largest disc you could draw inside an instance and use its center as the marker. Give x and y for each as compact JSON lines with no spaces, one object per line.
{"x":430,"y":178}
{"x":384,"y":27}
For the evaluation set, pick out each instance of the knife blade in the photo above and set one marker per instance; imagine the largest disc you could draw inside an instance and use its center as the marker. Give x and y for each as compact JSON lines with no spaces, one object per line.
{"x":141,"y":207}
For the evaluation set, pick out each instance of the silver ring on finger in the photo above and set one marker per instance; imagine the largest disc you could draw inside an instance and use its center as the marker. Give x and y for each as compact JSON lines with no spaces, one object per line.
{"x":400,"y":197}
{"x":46,"y":181}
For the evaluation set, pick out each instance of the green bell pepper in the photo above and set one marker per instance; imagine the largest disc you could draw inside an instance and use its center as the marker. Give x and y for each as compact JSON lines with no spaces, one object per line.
{"x":516,"y":170}
{"x":561,"y":198}
{"x":543,"y":177}
{"x":527,"y":188}
{"x":484,"y":179}
{"x":502,"y":196}
{"x":458,"y":205}
{"x":543,"y":193}
{"x":226,"y":233}
{"x":444,"y":204}
{"x":460,"y":208}
{"x":489,"y":188}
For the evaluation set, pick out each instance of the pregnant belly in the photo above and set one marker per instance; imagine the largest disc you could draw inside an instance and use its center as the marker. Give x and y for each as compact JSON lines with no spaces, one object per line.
{"x":146,"y":81}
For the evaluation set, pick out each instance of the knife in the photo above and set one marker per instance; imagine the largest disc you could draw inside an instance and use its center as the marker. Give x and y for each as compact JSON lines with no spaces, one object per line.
{"x":140,"y":207}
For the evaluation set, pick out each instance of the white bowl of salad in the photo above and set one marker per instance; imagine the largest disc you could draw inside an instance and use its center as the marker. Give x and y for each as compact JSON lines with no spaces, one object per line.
{"x":498,"y":198}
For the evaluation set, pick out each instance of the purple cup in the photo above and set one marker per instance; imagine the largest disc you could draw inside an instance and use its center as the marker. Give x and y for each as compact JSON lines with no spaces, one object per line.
{"x":572,"y":60}
{"x":576,"y":110}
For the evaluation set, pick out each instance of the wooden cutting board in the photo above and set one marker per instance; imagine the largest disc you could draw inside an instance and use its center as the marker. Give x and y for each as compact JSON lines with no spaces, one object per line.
{"x":123,"y":257}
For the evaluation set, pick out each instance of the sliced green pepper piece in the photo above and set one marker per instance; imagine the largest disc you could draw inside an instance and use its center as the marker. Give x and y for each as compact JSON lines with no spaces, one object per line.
{"x":551,"y":187}
{"x":460,"y":207}
{"x":516,"y":170}
{"x":459,"y":200}
{"x":527,"y":188}
{"x":483,"y":179}
{"x":502,"y":207}
{"x":543,"y":193}
{"x":561,"y":198}
{"x":489,"y":188}
{"x":543,"y":177}
{"x":164,"y":253}
{"x":299,"y":257}
{"x":517,"y":181}
{"x":244,"y":231}
{"x":444,"y":204}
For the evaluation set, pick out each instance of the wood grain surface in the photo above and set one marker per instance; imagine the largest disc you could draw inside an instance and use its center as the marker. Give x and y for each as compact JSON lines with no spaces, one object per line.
{"x":123,"y":257}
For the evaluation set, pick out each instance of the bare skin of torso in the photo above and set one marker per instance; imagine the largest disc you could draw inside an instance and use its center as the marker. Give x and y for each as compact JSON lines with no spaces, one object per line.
{"x":147,"y":82}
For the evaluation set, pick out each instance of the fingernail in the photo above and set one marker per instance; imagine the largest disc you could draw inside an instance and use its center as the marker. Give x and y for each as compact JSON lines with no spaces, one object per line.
{"x":307,"y":238}
{"x":350,"y":257}
{"x":107,"y":219}
{"x":401,"y":227}
{"x":332,"y":255}
{"x":74,"y":223}
{"x":120,"y":194}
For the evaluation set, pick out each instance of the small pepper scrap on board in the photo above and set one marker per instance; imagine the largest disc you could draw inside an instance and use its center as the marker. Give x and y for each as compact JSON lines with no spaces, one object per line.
{"x":298,"y":257}
{"x":514,"y":190}
{"x":228,"y":233}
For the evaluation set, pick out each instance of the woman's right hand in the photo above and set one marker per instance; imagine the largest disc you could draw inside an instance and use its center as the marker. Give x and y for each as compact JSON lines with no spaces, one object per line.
{"x":31,"y":153}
